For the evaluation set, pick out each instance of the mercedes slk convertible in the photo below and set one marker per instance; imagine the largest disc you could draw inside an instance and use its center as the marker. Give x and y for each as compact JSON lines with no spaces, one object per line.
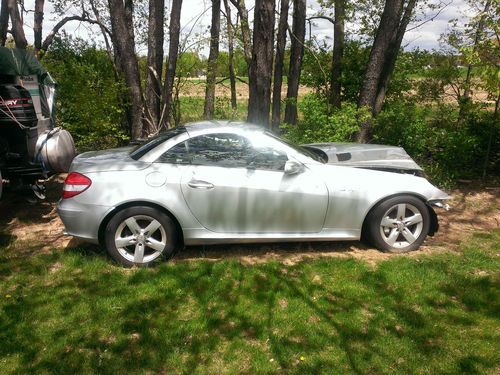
{"x":230,"y":182}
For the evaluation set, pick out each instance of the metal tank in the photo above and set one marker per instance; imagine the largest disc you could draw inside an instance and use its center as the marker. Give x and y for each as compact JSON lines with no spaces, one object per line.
{"x":31,"y":147}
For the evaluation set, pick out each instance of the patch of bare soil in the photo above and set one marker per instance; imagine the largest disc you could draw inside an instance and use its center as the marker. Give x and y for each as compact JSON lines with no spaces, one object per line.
{"x":472,"y":210}
{"x":35,"y":225}
{"x":196,"y":88}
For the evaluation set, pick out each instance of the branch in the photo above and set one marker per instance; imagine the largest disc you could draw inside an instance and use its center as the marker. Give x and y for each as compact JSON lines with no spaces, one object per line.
{"x":84,"y":18}
{"x":226,"y":78}
{"x":321,"y":17}
{"x":430,"y":19}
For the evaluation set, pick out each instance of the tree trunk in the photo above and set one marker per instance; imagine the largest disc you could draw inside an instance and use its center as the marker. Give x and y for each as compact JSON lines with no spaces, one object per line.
{"x":17,"y":25}
{"x":37,"y":25}
{"x":296,"y":55}
{"x":385,"y":40}
{"x":155,"y":64}
{"x":338,"y":53}
{"x":278,"y":64}
{"x":391,"y":57}
{"x":259,"y":101}
{"x":113,"y":55}
{"x":465,"y":99}
{"x":209,"y":109}
{"x":490,"y":139}
{"x":245,"y":30}
{"x":125,"y":46}
{"x":173,"y":52}
{"x":230,"y":47}
{"x":4,"y":21}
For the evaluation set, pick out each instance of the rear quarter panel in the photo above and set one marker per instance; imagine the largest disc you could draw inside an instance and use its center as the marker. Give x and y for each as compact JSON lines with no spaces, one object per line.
{"x":157,"y":184}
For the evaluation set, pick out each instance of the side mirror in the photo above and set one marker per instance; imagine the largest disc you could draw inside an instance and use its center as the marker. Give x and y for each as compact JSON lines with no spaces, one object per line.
{"x":293,"y":167}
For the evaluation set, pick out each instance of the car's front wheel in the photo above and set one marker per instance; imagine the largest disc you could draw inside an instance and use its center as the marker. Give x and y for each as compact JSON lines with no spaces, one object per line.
{"x":399,"y":224}
{"x":138,"y":236}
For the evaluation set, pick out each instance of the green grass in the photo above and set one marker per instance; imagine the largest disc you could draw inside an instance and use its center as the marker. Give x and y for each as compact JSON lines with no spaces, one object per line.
{"x":192,"y":109}
{"x":74,"y":311}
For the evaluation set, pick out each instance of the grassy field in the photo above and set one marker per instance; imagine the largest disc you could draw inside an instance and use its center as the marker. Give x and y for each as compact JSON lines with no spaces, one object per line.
{"x":73,"y":311}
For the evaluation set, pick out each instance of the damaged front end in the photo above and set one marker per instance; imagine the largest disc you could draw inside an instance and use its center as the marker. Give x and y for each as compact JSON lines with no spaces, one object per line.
{"x":368,"y":156}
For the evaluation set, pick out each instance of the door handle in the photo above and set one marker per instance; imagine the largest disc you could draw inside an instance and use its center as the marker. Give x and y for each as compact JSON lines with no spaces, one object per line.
{"x":199,"y":184}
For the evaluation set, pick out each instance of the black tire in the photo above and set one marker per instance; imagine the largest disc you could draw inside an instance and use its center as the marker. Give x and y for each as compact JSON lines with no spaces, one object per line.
{"x":403,"y":232}
{"x":166,"y":233}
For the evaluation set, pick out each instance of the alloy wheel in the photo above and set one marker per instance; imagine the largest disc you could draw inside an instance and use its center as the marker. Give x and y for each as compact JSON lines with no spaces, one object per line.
{"x":401,"y":225}
{"x":140,"y":239}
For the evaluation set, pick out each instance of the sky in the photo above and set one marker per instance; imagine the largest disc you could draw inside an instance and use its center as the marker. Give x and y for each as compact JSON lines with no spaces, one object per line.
{"x":423,"y":37}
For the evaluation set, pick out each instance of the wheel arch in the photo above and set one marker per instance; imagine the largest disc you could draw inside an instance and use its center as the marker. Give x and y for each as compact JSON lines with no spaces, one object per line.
{"x":120,"y":207}
{"x":434,"y":220}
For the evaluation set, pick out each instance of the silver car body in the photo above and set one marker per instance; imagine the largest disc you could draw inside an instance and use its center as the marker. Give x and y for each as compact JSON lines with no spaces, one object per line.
{"x":215,"y":204}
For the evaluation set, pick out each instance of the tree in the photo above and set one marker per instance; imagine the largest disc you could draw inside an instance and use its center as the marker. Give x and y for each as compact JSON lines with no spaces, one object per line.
{"x":155,"y":63}
{"x":383,"y":55}
{"x":230,"y":47}
{"x":245,"y":30}
{"x":37,"y":25}
{"x":296,"y":55}
{"x":209,"y":108}
{"x":4,"y":21}
{"x":17,"y":24}
{"x":123,"y":38}
{"x":173,"y":52}
{"x":278,"y":64}
{"x":338,"y":53}
{"x":259,"y":101}
{"x":478,"y":35}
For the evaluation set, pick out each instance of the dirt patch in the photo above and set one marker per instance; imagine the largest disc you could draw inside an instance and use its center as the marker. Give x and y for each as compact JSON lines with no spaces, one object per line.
{"x":35,"y":223}
{"x":196,"y":88}
{"x":471,"y":210}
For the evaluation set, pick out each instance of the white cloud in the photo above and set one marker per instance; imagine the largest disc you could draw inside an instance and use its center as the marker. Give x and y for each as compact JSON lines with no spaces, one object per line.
{"x":425,"y":37}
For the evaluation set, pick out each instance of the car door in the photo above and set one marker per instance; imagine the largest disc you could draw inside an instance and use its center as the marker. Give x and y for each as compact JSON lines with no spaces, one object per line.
{"x":234,"y":185}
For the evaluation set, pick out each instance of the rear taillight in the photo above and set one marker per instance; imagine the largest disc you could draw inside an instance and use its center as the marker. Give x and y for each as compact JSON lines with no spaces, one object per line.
{"x":75,"y":184}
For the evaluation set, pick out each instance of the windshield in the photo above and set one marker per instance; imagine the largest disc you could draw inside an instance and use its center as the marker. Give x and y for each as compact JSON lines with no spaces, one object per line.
{"x":152,"y":142}
{"x":302,"y":150}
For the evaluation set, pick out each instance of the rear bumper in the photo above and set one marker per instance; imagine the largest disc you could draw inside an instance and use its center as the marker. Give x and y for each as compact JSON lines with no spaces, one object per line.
{"x":82,"y":220}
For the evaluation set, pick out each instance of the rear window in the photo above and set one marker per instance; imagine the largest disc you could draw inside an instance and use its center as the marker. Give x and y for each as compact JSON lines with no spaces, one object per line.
{"x":151,"y":143}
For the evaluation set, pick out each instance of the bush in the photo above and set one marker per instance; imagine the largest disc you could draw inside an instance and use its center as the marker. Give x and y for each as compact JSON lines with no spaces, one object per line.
{"x":448,"y":149}
{"x":316,"y":125}
{"x":89,"y":98}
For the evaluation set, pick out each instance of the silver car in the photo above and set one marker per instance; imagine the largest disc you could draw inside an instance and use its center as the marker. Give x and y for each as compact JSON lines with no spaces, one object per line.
{"x":226,"y":182}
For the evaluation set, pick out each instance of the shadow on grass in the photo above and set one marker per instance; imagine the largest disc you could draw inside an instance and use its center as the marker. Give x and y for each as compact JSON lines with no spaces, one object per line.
{"x":338,"y":314}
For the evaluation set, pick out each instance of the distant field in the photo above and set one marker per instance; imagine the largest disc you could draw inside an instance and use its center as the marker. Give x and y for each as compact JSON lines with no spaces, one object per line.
{"x":196,"y":88}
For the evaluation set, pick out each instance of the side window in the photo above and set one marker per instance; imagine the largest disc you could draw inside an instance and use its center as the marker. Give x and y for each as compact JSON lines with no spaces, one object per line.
{"x":225,"y":150}
{"x":176,"y":155}
{"x":221,"y":150}
{"x":267,"y":158}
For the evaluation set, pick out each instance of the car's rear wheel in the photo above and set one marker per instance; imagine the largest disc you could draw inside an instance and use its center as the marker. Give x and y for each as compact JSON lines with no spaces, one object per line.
{"x":139,"y":236}
{"x":399,"y":224}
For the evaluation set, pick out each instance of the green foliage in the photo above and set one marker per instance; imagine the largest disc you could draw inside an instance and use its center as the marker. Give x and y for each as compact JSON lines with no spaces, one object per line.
{"x":74,"y":312}
{"x":223,"y":108}
{"x":355,"y":59}
{"x":317,"y":125}
{"x":447,"y":148}
{"x":317,"y":65}
{"x":189,"y":64}
{"x":89,"y":99}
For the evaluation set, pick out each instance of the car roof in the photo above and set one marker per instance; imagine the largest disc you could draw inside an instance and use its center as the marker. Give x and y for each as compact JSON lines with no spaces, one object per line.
{"x":220,"y":125}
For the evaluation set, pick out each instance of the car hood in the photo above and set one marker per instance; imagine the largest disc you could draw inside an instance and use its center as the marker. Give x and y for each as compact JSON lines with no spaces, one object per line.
{"x":107,"y":160}
{"x":389,"y":158}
